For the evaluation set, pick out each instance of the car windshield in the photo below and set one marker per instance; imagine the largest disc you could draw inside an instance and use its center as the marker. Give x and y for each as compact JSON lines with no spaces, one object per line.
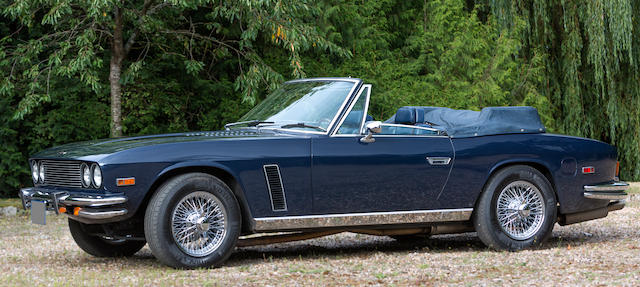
{"x":307,"y":105}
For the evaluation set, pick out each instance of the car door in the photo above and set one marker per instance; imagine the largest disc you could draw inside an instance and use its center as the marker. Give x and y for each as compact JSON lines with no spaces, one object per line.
{"x":405,"y":168}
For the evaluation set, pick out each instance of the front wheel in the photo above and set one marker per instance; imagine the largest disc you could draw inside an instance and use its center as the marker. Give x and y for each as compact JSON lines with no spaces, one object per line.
{"x":192,"y":221}
{"x":517,"y":209}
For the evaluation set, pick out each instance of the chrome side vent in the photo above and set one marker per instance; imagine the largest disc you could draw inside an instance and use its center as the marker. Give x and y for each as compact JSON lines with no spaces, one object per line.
{"x":276,"y":189}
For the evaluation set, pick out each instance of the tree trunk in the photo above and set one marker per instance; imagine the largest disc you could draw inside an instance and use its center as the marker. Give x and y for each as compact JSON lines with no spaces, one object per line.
{"x":115,"y":71}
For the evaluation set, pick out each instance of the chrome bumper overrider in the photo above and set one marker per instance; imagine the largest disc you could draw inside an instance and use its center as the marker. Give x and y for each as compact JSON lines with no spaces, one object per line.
{"x":607,"y":191}
{"x":91,"y":206}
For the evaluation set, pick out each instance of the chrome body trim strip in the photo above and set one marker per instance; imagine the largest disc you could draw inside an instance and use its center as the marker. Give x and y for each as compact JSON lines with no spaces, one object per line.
{"x":89,"y":214}
{"x":606,"y":195}
{"x":361,"y":219}
{"x":93,"y":201}
{"x":410,"y":126}
{"x":612,"y":186}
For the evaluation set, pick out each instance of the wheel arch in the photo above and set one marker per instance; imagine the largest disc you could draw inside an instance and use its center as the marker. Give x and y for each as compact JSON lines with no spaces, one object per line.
{"x":218,"y":171}
{"x":538,"y":165}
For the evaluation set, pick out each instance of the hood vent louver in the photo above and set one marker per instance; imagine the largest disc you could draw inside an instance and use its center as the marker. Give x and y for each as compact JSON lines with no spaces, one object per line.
{"x":276,"y":189}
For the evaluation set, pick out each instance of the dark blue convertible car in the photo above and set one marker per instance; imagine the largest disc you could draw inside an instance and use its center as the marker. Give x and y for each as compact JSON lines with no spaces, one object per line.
{"x":309,"y":161}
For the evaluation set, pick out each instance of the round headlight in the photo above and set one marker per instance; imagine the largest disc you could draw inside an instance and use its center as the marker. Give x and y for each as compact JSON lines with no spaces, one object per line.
{"x":97,"y":175}
{"x":34,"y":171}
{"x":41,"y":172}
{"x":86,"y":175}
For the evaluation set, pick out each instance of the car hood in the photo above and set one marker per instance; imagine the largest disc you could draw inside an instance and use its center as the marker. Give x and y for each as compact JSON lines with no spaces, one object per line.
{"x":97,"y":149}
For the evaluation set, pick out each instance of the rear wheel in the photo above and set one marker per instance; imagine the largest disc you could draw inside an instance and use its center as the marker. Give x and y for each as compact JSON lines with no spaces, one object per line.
{"x":102,"y":246}
{"x":192,"y":221}
{"x":516,"y":210}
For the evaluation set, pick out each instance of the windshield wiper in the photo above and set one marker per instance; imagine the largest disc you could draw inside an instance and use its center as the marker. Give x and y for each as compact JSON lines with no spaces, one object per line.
{"x":303,"y":125}
{"x":252,"y":123}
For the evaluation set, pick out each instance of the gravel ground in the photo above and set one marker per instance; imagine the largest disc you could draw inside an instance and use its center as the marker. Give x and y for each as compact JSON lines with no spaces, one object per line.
{"x":600,"y":252}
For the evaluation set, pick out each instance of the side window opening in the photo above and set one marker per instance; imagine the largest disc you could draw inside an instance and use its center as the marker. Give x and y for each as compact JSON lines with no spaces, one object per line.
{"x":354,"y":120}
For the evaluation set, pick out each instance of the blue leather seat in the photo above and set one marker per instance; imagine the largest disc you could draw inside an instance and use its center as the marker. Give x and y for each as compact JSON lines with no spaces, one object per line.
{"x":409,"y":116}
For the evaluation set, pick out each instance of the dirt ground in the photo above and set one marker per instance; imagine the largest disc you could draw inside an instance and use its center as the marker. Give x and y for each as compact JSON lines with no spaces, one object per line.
{"x":600,"y":252}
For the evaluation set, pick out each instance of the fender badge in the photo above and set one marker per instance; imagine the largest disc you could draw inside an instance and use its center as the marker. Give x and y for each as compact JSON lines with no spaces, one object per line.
{"x":62,"y":152}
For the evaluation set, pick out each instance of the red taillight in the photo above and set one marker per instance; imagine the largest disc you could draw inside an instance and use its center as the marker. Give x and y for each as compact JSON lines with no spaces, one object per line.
{"x":617,"y":168}
{"x":588,"y":169}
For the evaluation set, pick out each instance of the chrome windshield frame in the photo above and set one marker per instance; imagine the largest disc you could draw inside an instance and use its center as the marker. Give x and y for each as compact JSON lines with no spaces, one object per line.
{"x":341,"y":111}
{"x":353,"y":103}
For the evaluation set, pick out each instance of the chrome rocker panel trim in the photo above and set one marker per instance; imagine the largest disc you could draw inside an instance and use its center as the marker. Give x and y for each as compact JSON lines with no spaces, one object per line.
{"x":361,"y":219}
{"x":607,"y":191}
{"x":57,"y":198}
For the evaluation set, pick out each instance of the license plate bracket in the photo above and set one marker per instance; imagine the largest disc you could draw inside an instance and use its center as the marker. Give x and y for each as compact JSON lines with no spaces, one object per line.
{"x":39,"y":212}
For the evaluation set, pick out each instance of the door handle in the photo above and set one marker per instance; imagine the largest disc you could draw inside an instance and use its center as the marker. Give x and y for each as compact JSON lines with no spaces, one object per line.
{"x":438,"y":160}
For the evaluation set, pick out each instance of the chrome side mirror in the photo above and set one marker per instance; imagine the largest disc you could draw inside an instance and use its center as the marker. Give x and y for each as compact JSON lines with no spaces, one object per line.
{"x":372,"y":127}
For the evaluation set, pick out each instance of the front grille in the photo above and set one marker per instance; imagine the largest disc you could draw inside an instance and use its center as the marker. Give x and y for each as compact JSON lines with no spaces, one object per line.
{"x":62,"y":173}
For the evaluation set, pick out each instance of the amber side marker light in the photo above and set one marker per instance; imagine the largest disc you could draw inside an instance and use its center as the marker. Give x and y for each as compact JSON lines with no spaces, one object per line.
{"x":76,"y":210}
{"x":62,"y":210}
{"x":617,"y":168}
{"x":126,"y":181}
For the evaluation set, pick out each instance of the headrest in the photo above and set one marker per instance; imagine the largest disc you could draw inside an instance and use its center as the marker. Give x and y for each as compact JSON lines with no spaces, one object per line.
{"x":409,"y":116}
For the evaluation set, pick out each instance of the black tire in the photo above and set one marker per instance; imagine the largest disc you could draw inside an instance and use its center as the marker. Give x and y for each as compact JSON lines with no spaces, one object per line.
{"x":526,"y":179}
{"x":101,"y":247}
{"x":160,"y":212}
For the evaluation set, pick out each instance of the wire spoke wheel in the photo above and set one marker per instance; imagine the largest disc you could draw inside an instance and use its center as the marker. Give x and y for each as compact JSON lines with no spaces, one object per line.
{"x":199,"y":224}
{"x":520,"y":210}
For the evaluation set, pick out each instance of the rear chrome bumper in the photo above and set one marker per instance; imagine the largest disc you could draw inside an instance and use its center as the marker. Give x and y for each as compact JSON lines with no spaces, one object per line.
{"x":607,"y":191}
{"x":92,"y":207}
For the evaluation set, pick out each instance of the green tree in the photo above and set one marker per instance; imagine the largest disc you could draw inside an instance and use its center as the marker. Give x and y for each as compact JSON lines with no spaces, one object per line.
{"x":72,"y":39}
{"x":592,"y":63}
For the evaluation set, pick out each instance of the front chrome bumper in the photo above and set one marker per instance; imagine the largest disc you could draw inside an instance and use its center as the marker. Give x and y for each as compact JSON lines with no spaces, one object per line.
{"x":91,"y":207}
{"x":607,"y":191}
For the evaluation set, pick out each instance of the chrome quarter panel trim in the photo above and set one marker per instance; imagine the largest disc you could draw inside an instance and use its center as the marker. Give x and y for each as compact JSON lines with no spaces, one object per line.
{"x":613,"y":186}
{"x":361,"y":219}
{"x":88,"y":214}
{"x":606,"y":195}
{"x":410,"y":126}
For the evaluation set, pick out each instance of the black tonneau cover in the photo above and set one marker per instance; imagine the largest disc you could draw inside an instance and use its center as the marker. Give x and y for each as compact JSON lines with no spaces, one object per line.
{"x":489,"y":121}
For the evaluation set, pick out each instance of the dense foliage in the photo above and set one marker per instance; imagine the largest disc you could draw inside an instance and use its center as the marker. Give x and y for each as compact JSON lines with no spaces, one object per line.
{"x":195,"y":65}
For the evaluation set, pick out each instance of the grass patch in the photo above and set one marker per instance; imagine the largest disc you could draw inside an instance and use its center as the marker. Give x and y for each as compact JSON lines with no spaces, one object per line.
{"x":5,"y":202}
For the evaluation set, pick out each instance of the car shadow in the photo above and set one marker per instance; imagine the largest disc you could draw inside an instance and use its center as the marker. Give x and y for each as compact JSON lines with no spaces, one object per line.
{"x":354,"y":246}
{"x":351,"y":245}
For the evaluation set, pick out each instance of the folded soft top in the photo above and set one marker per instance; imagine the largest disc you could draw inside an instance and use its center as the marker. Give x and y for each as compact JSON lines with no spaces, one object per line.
{"x":466,"y":123}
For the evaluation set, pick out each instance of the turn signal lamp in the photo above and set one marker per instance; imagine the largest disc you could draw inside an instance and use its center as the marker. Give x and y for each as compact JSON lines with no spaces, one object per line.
{"x":76,"y":210}
{"x":617,"y":168}
{"x":126,"y":181}
{"x":62,"y":209}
